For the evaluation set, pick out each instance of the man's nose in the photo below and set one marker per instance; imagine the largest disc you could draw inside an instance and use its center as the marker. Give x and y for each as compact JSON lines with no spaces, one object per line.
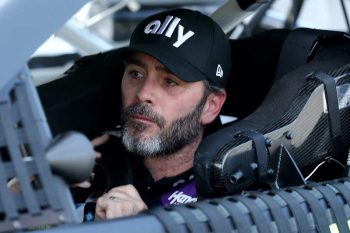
{"x":147,"y":91}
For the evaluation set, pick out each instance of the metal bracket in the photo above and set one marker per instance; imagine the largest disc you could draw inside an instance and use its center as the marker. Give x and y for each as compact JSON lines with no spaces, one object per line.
{"x":286,"y":171}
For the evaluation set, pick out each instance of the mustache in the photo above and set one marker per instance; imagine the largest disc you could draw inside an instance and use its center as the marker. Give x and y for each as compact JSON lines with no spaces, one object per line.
{"x":142,"y":110}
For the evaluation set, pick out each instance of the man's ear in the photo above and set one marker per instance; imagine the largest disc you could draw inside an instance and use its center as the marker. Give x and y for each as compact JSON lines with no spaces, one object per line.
{"x":212,"y":107}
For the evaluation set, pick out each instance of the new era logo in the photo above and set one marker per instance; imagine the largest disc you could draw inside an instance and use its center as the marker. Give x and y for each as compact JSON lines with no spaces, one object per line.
{"x":219,"y":71}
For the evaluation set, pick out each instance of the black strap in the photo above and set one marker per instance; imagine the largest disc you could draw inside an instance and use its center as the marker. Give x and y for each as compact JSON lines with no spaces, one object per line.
{"x":257,"y":215}
{"x":89,"y":212}
{"x":193,"y":224}
{"x":321,"y":220}
{"x":261,"y":153}
{"x":242,"y":224}
{"x":215,"y":218}
{"x":168,"y":222}
{"x":297,"y":211}
{"x":337,"y":208}
{"x":280,"y":218}
{"x":332,"y":106}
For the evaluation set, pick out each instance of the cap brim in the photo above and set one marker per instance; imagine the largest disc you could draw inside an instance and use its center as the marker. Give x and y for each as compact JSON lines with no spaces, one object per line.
{"x":177,"y":65}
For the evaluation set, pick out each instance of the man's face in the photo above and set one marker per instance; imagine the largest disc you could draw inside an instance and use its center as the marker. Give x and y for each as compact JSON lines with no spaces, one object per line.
{"x":161,"y":113}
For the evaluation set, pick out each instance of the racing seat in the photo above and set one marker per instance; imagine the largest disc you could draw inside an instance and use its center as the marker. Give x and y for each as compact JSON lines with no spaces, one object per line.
{"x":302,"y":122}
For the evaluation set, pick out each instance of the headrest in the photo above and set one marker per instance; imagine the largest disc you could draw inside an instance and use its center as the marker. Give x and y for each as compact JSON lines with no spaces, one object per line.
{"x":254,"y":64}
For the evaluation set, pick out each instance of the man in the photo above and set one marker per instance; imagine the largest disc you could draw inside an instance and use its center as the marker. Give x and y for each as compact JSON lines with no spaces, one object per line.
{"x":176,"y":67}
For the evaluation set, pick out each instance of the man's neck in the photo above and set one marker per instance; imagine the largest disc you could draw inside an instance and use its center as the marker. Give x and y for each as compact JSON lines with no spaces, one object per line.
{"x":174,"y":164}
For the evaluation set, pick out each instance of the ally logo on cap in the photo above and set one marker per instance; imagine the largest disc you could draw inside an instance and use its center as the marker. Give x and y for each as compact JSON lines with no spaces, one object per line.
{"x":169,"y":26}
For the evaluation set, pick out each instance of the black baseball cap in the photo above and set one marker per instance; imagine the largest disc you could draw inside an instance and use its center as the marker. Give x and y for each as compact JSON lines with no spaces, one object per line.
{"x":189,"y":43}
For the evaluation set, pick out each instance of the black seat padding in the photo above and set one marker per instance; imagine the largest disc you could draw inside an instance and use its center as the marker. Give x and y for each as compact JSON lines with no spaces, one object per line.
{"x":254,"y":64}
{"x":86,"y":98}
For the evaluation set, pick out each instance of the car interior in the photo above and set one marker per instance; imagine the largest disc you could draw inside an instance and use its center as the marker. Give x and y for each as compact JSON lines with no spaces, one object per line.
{"x":87,"y":96}
{"x":277,"y":77}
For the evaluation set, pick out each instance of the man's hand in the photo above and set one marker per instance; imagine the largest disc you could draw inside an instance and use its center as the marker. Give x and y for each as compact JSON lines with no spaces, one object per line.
{"x":98,"y":141}
{"x":121,"y":201}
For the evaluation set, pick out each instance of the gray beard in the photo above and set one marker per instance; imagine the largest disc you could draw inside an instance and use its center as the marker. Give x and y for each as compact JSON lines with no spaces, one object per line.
{"x":180,"y":133}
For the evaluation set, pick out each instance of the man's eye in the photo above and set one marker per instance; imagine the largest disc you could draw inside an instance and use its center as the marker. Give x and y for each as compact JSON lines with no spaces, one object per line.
{"x":135,"y":74}
{"x":171,"y":82}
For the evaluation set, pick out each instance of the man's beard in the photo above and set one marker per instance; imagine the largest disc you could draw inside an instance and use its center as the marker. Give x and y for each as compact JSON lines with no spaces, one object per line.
{"x":171,"y":139}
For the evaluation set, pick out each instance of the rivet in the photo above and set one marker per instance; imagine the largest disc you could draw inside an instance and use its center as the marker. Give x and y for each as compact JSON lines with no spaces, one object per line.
{"x":235,"y":177}
{"x":289,"y":135}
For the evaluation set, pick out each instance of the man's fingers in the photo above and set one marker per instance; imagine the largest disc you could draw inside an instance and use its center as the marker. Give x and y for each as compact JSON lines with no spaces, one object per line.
{"x":120,"y":202}
{"x":97,"y":155}
{"x":106,"y":208}
{"x":100,"y":140}
{"x":109,"y":214}
{"x":128,"y":190}
{"x":85,"y":184}
{"x":101,"y":207}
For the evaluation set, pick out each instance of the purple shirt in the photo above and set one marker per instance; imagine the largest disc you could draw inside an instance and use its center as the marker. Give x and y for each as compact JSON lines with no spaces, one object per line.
{"x":184,"y":192}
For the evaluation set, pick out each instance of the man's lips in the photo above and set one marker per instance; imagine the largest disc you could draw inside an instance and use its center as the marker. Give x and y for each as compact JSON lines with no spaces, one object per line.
{"x":143,"y":119}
